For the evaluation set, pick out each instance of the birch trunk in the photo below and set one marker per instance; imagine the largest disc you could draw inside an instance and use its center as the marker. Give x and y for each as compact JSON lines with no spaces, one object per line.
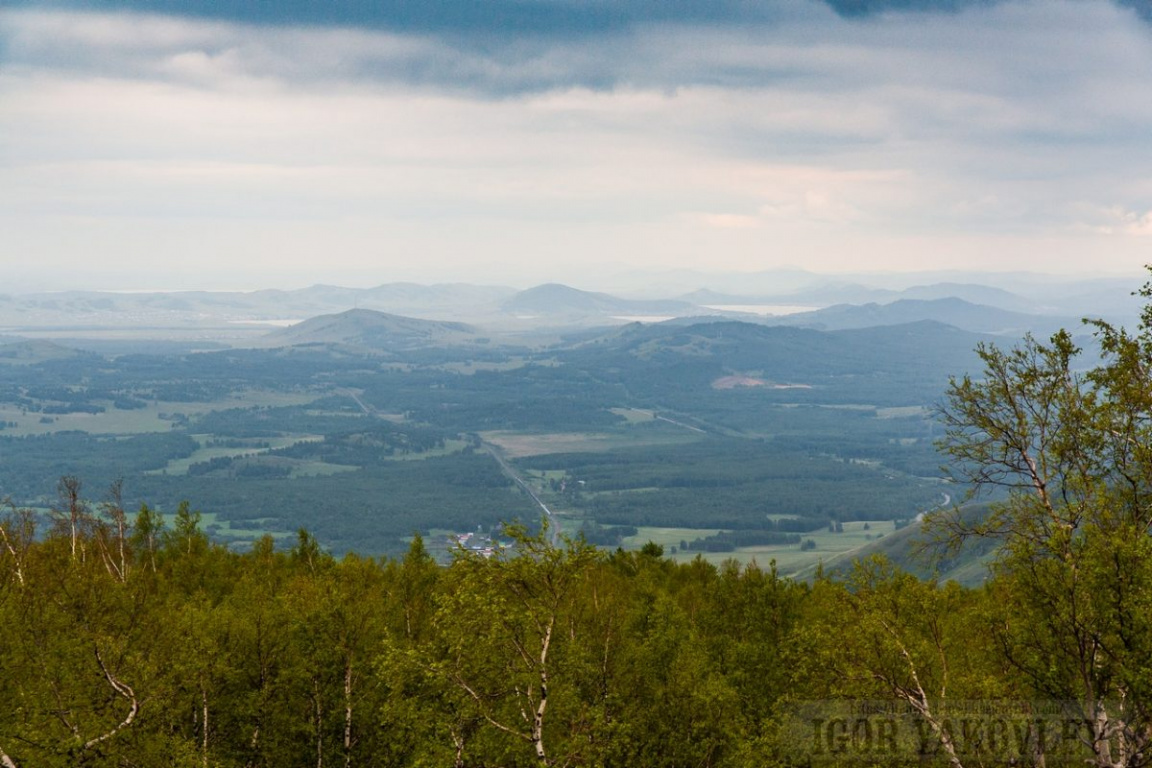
{"x":538,"y":715}
{"x":19,"y":577}
{"x":348,"y":712}
{"x":318,"y":714}
{"x":126,"y":692}
{"x":204,"y":726}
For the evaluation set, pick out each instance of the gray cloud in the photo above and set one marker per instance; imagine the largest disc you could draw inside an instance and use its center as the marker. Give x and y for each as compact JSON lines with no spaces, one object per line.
{"x":624,"y":130}
{"x":463,"y":19}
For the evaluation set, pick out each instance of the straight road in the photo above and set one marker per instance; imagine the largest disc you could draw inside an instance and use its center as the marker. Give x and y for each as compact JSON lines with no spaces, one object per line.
{"x":494,"y":452}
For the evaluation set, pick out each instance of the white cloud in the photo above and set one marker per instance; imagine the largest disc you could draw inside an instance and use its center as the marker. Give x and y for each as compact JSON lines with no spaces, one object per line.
{"x":890,"y":141}
{"x":1118,"y":220}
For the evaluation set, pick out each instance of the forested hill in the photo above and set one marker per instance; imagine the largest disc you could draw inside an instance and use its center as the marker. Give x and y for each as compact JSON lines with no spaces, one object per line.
{"x":799,"y":351}
{"x":369,"y":329}
{"x":908,"y":363}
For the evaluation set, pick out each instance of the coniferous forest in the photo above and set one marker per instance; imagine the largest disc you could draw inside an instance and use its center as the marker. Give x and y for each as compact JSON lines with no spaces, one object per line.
{"x":133,"y":640}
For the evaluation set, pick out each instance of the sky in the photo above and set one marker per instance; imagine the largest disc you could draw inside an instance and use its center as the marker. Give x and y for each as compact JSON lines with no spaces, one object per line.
{"x":237,"y":144}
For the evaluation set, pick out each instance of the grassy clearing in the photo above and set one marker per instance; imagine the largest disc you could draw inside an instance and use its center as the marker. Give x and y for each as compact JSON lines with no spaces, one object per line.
{"x":222,"y":529}
{"x":517,"y":445}
{"x":790,"y":559}
{"x":545,"y":475}
{"x":667,"y":538}
{"x":450,"y":447}
{"x":634,"y":415}
{"x":147,"y":419}
{"x":472,"y":366}
{"x":319,"y":469}
{"x":207,"y":452}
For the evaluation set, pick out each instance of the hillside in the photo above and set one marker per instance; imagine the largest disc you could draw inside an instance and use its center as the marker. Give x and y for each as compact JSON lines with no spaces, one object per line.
{"x":792,"y":352}
{"x":230,"y":310}
{"x":977,"y":318}
{"x":908,"y":549}
{"x":35,"y":351}
{"x":366,"y":328}
{"x":554,"y":299}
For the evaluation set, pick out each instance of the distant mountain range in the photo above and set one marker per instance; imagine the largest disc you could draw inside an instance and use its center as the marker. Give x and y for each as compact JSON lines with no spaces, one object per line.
{"x":835,"y":293}
{"x":950,"y":311}
{"x":1106,"y":296}
{"x":240,"y":318}
{"x":775,"y":356}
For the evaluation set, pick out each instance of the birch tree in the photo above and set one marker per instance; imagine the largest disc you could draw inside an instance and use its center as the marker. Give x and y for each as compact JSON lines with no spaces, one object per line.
{"x":505,"y":627}
{"x":1071,"y":447}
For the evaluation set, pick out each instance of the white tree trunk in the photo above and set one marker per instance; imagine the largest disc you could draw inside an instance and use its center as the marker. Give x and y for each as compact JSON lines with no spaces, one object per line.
{"x":204,"y":729}
{"x":538,"y":716}
{"x":19,"y":577}
{"x":348,"y":712}
{"x":124,"y":691}
{"x":319,"y":716}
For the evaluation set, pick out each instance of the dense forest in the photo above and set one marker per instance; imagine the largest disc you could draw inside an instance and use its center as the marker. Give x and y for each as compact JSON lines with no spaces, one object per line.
{"x":140,"y":642}
{"x":147,"y":645}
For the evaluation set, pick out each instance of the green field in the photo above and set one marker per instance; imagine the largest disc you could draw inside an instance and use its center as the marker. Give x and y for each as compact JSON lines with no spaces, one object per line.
{"x":223,"y":529}
{"x":517,"y":445}
{"x":208,"y":452}
{"x":790,"y":559}
{"x":114,"y":421}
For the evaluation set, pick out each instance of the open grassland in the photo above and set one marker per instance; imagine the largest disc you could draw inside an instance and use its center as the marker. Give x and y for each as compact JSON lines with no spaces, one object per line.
{"x":114,"y":421}
{"x":207,"y":451}
{"x":298,"y":467}
{"x":472,"y":366}
{"x":319,"y":468}
{"x":634,"y":415}
{"x":517,"y":445}
{"x":223,"y":529}
{"x":790,"y":559}
{"x":450,"y":447}
{"x":666,"y":537}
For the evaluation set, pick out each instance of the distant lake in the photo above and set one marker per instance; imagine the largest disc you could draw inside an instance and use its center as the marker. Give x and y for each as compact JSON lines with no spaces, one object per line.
{"x":763,"y":309}
{"x":644,"y":318}
{"x":274,"y":323}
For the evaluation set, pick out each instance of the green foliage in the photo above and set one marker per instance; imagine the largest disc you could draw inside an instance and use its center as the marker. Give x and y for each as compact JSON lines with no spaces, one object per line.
{"x":272,"y":658}
{"x":1074,"y":575}
{"x":727,"y":482}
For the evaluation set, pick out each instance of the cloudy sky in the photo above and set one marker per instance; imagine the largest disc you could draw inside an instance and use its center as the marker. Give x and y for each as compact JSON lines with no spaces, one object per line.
{"x":178,"y":143}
